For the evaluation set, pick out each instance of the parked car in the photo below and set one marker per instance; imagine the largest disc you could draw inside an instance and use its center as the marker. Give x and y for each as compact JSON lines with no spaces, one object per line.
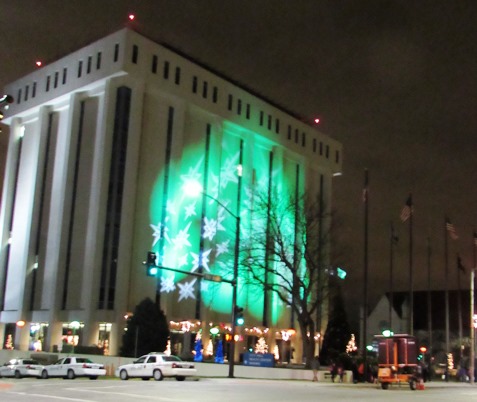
{"x":72,"y":367}
{"x":157,"y":366}
{"x":19,"y":368}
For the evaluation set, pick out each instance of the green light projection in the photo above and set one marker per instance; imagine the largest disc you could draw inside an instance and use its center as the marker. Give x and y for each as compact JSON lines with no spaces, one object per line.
{"x":176,"y":221}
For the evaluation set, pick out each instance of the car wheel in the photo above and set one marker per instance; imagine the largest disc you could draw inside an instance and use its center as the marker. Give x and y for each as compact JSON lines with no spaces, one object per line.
{"x":145,"y":378}
{"x":17,"y":374}
{"x":180,"y":378}
{"x":412,"y":384}
{"x":384,"y":385}
{"x":123,"y":375}
{"x":70,"y":375}
{"x":158,"y":375}
{"x":44,"y":374}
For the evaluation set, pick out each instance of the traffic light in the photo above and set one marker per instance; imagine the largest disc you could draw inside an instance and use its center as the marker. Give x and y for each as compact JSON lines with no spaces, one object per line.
{"x":239,"y":320}
{"x":151,"y":267}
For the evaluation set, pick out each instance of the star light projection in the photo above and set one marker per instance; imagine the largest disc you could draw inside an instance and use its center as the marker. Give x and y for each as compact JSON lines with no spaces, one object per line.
{"x":182,"y":226}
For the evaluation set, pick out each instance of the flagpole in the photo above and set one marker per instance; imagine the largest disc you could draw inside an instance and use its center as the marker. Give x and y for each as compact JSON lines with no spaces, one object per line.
{"x":391,"y":287}
{"x":365,"y":279}
{"x":459,"y":305}
{"x":411,"y":283}
{"x":446,"y":295}
{"x":472,"y":312}
{"x":429,"y":299}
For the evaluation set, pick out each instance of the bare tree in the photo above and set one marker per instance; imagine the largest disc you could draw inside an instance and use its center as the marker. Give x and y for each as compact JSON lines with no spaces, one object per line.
{"x":287,"y":253}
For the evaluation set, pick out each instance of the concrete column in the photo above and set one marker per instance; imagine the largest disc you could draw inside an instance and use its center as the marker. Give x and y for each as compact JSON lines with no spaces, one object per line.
{"x":55,"y":332}
{"x":22,"y":337}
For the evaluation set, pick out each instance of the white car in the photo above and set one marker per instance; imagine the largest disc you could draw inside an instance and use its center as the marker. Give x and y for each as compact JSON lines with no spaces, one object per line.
{"x":157,"y":366}
{"x":72,"y":367}
{"x":19,"y":368}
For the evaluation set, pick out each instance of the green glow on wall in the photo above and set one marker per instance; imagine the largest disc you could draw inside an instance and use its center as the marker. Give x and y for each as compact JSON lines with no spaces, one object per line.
{"x":181,"y":216}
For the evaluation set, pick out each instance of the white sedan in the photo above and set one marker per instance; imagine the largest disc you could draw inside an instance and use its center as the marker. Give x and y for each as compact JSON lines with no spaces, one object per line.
{"x":157,"y":366}
{"x":72,"y":367}
{"x":19,"y":368}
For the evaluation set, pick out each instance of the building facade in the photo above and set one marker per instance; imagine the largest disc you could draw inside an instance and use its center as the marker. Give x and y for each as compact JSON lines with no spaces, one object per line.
{"x":102,"y":144}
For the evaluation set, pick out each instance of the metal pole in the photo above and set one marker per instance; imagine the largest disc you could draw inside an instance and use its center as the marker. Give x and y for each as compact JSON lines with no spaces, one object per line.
{"x":446,"y":266}
{"x":365,"y":281}
{"x":234,"y":299}
{"x":472,"y":329}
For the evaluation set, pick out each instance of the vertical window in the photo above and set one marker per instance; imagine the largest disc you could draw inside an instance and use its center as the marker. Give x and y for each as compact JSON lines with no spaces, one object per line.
{"x":98,"y":61}
{"x":231,"y":99}
{"x":215,"y":95}
{"x":47,"y":83}
{"x":204,"y":90}
{"x":277,"y":126}
{"x":314,"y":144}
{"x":327,"y":151}
{"x":27,"y":89}
{"x":194,"y":84}
{"x":261,"y":118}
{"x":80,"y":68}
{"x":33,"y":92}
{"x":269,"y":125}
{"x":337,"y":156}
{"x":19,"y":97}
{"x":321,"y":148}
{"x":116,"y":52}
{"x":154,"y":64}
{"x":303,"y":139}
{"x":55,"y":83}
{"x":88,"y":68}
{"x":65,"y":72}
{"x":177,"y":78}
{"x":247,"y":111}
{"x":135,"y":54}
{"x":166,"y":70}
{"x":296,"y":136}
{"x":289,"y":132}
{"x":239,"y":107}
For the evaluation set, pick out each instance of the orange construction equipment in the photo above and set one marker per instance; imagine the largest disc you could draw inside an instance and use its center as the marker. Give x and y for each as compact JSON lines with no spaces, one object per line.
{"x":397,"y":361}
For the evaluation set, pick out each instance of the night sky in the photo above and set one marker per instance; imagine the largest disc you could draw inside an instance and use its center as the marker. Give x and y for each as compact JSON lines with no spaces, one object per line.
{"x":394,"y":81}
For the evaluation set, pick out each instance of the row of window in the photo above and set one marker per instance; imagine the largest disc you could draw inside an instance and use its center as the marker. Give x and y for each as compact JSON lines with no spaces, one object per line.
{"x":197,"y":87}
{"x":239,"y":108}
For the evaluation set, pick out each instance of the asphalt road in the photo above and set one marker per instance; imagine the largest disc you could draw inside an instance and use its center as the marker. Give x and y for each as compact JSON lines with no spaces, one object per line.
{"x":222,"y":390}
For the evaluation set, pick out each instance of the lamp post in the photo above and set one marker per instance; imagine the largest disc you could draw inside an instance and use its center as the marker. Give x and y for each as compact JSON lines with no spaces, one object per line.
{"x":194,"y":188}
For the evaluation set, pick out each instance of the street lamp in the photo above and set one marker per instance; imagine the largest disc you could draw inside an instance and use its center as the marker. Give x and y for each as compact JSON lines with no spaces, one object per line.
{"x":194,"y":188}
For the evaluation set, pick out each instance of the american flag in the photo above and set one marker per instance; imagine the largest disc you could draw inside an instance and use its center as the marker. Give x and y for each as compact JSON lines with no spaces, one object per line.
{"x":451,"y":230}
{"x":407,"y":210}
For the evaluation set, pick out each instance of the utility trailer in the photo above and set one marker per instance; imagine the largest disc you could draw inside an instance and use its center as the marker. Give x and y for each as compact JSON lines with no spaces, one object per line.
{"x":397,"y":360}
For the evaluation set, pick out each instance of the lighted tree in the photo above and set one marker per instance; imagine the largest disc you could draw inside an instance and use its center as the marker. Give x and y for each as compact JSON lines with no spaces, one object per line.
{"x":351,"y":346}
{"x":261,"y":346}
{"x":276,"y":352}
{"x":219,"y":356}
{"x":198,"y":356}
{"x":286,"y":254}
{"x":209,"y":351}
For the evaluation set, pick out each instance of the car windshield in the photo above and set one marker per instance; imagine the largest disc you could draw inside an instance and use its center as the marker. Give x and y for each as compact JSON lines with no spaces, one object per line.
{"x":30,"y":362}
{"x":171,"y":359}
